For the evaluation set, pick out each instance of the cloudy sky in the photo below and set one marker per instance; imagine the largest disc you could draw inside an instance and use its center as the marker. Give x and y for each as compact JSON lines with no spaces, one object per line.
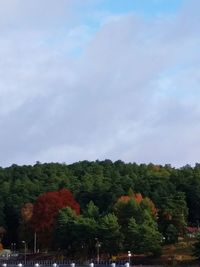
{"x":100,"y":79}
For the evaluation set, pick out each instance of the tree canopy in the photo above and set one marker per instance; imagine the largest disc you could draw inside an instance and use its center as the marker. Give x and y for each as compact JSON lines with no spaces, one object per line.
{"x":129,"y":198}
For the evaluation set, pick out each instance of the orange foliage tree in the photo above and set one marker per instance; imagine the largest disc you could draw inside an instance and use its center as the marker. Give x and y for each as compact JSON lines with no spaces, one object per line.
{"x":27,"y":212}
{"x":2,"y":233}
{"x":25,"y":227}
{"x":139,"y":198}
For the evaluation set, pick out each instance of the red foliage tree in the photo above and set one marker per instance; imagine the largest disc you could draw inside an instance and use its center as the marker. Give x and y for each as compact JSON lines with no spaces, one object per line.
{"x":46,"y":209}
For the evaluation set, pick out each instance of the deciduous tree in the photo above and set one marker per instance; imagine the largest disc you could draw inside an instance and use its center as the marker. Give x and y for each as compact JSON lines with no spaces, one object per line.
{"x":46,"y":209}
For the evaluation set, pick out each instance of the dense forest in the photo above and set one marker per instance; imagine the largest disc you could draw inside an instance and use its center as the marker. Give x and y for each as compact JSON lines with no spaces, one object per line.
{"x":113,"y":205}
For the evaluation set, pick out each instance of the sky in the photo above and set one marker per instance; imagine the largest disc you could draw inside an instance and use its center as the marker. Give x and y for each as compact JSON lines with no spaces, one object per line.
{"x":100,"y":79}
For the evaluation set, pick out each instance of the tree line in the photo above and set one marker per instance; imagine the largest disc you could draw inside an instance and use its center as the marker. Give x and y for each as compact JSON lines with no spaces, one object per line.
{"x":115,"y":205}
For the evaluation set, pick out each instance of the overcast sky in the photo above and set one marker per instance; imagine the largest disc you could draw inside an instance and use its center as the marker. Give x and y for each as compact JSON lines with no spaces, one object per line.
{"x":100,"y":79}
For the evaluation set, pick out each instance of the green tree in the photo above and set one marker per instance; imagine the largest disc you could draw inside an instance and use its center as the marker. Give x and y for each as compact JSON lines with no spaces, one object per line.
{"x":145,"y":237}
{"x":173,"y":211}
{"x":85,"y":233}
{"x":65,"y":231}
{"x":196,"y":247}
{"x":110,"y":234}
{"x":92,"y":211}
{"x":171,"y":234}
{"x":150,"y":237}
{"x":126,"y":210}
{"x":139,"y":226}
{"x":75,"y":234}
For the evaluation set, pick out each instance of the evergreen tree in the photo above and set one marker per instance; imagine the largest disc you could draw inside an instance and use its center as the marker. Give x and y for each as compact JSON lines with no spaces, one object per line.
{"x":196,"y":247}
{"x":110,"y":234}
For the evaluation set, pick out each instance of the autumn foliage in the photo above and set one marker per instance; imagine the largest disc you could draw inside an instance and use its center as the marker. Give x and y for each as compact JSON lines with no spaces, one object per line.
{"x":47,"y":206}
{"x":27,"y":212}
{"x":138,"y":198}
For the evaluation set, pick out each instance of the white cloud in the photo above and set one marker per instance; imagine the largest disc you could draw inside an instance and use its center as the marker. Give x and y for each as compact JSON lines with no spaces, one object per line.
{"x":71,"y":92}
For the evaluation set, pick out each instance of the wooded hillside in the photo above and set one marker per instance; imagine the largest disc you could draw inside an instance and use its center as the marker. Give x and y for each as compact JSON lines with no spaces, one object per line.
{"x":118,"y":201}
